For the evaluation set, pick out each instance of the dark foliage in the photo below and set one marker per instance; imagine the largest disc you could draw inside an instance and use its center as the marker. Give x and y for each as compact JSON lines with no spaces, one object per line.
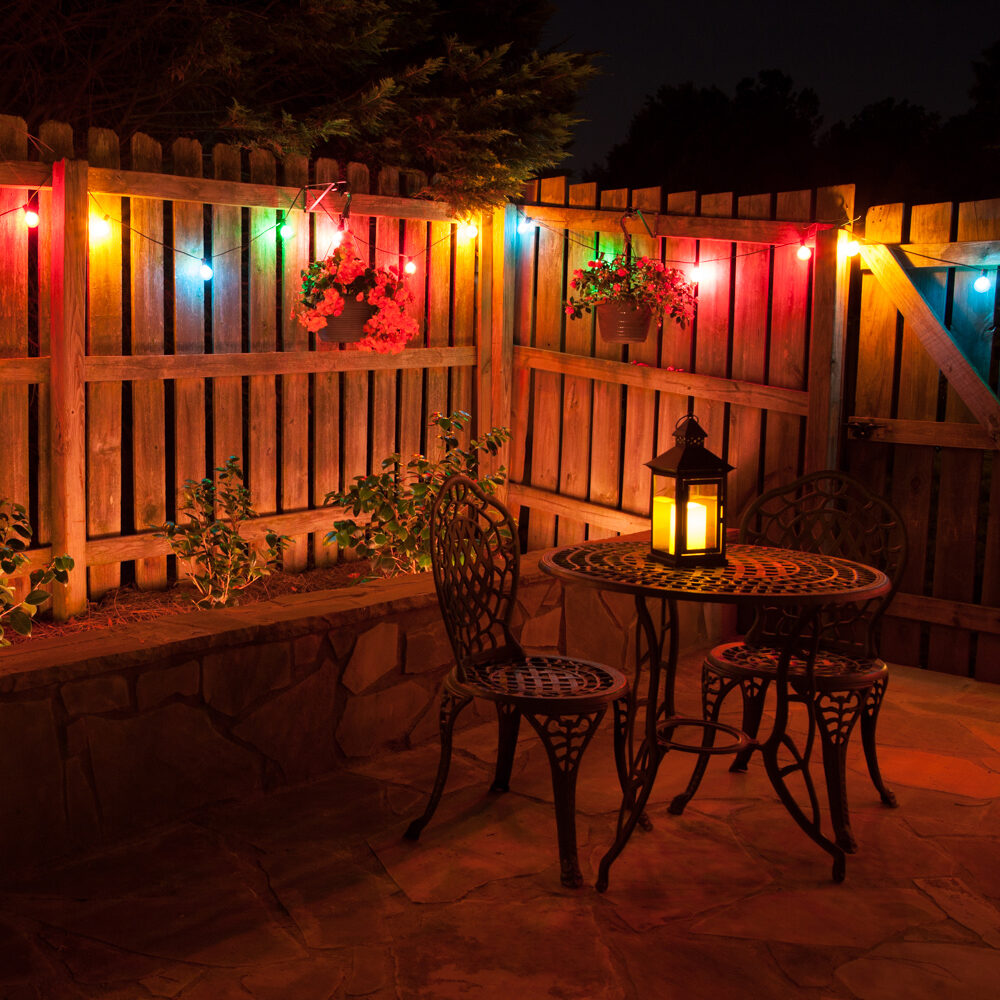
{"x":455,"y":89}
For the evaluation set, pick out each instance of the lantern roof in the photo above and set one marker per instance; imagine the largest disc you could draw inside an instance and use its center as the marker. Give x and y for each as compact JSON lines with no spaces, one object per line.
{"x":689,"y":456}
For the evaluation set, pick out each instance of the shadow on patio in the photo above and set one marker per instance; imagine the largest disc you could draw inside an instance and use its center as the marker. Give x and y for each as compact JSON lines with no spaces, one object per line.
{"x":312,"y":894}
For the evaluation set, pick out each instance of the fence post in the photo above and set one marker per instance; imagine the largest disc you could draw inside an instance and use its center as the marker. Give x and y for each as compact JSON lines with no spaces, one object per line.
{"x":831,"y":275}
{"x":68,"y":346}
{"x":495,"y":343}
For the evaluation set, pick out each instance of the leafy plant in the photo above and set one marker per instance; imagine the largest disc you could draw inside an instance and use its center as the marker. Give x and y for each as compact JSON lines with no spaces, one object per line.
{"x":328,"y":283}
{"x":221,"y":561}
{"x":639,"y":282}
{"x":398,"y":500}
{"x":15,"y":533}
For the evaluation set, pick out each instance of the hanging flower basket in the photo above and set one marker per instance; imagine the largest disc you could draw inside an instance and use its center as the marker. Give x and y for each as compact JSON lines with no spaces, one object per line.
{"x":346,"y":300}
{"x":623,"y":323}
{"x":628,"y":294}
{"x":349,"y":326}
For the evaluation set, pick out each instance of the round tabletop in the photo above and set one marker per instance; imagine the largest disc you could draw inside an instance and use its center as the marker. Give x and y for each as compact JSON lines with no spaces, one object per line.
{"x":752,"y":572}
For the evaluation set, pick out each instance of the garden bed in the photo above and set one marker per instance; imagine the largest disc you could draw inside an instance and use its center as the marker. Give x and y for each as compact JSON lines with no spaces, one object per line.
{"x":106,"y":732}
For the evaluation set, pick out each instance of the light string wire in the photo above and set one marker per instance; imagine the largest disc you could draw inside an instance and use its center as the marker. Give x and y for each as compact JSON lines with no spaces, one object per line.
{"x":748,"y":253}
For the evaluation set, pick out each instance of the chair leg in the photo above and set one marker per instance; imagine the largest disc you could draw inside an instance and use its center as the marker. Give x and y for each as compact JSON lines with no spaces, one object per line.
{"x":509,"y":722}
{"x":869,"y":720}
{"x":565,"y":737}
{"x":836,"y":713}
{"x":451,"y":705}
{"x":713,"y":691}
{"x":754,"y":691}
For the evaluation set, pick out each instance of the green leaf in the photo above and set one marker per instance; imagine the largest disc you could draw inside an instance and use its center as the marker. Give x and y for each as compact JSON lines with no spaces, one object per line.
{"x":19,"y":621}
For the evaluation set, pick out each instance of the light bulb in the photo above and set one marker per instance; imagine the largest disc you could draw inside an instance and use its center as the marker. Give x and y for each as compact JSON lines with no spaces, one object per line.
{"x":851,"y":248}
{"x":30,"y":217}
{"x":803,"y":252}
{"x":206,"y":270}
{"x":468,"y":231}
{"x":286,"y":230}
{"x":100,"y":227}
{"x":982,"y":283}
{"x":410,"y":267}
{"x":694,"y":274}
{"x":337,"y":239}
{"x":526,"y":225}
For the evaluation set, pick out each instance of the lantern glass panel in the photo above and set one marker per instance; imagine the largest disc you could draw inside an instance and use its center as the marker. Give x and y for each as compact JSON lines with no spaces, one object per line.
{"x":664,"y":513}
{"x":703,"y":517}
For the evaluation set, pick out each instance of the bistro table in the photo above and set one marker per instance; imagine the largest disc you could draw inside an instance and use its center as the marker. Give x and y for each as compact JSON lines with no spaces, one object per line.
{"x":753,"y":575}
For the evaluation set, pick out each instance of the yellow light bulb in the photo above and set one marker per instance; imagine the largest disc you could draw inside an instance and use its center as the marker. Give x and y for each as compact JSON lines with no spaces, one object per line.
{"x":100,"y":227}
{"x":468,"y":231}
{"x":803,"y":252}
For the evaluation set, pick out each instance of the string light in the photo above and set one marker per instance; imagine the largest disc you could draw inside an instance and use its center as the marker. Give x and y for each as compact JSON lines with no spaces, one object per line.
{"x":285,"y":229}
{"x":468,"y":231}
{"x":694,"y":274}
{"x":410,"y":267}
{"x":526,"y":225}
{"x":851,"y":248}
{"x":982,"y":283}
{"x":100,"y":227}
{"x":30,"y":217}
{"x":206,"y":270}
{"x":803,"y":252}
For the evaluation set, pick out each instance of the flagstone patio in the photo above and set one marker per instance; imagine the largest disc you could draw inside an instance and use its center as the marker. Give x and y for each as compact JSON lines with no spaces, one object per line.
{"x":310,"y":893}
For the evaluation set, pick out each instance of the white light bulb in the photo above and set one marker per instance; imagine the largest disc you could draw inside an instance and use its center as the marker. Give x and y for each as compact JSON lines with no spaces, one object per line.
{"x":410,"y":267}
{"x":206,"y":271}
{"x":803,"y":252}
{"x":982,"y":283}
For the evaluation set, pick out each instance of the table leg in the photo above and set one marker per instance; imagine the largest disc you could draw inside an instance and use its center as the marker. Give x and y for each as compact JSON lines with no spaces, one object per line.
{"x":808,"y":622}
{"x":643,"y":764}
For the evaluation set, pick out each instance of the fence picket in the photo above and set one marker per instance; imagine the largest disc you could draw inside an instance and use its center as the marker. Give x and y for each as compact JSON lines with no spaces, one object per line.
{"x":575,"y":457}
{"x":104,"y":336}
{"x":262,"y":458}
{"x":787,"y":351}
{"x":913,"y":465}
{"x":149,"y":477}
{"x":294,"y":389}
{"x":411,"y":383}
{"x":640,"y":404}
{"x":326,"y":427}
{"x":227,"y":313}
{"x":753,"y":268}
{"x":189,"y":320}
{"x":547,"y":388}
{"x":14,"y":475}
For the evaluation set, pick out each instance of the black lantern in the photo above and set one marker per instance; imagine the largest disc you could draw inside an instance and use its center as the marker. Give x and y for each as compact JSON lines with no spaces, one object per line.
{"x":689,"y":500}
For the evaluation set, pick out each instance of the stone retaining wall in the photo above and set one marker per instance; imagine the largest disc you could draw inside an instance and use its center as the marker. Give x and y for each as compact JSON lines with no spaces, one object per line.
{"x":110,"y":733}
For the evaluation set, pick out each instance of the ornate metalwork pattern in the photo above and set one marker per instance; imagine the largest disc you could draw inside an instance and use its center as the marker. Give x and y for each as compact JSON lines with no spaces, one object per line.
{"x":475,"y":559}
{"x":763,"y":660}
{"x":755,"y":572}
{"x":542,"y":677}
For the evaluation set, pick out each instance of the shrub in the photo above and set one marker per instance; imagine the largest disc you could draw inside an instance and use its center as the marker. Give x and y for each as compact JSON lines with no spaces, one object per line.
{"x":221,"y":562}
{"x":398,"y":500}
{"x":15,"y":533}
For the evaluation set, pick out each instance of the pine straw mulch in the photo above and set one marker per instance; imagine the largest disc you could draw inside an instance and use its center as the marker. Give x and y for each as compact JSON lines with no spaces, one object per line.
{"x":127,"y":605}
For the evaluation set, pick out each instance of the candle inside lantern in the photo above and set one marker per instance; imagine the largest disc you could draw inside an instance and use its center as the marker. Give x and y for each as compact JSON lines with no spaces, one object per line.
{"x":665,"y":524}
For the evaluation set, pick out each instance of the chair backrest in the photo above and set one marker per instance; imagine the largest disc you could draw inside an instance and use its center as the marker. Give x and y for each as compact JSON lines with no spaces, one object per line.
{"x":832,"y":513}
{"x":475,"y":557}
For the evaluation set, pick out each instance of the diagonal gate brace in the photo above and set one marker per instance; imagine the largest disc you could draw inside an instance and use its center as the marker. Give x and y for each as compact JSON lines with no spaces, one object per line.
{"x":974,"y":391}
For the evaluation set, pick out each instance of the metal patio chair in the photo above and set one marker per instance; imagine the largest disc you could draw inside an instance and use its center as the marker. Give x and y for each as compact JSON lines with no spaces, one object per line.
{"x":831,"y":513}
{"x":474,"y":552}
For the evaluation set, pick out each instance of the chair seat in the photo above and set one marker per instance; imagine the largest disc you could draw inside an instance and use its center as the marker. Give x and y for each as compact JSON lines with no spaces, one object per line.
{"x":831,"y":670}
{"x":568,"y":683}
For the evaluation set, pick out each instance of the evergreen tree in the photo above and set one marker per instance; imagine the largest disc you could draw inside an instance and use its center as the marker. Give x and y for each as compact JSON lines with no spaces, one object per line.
{"x":456,"y":89}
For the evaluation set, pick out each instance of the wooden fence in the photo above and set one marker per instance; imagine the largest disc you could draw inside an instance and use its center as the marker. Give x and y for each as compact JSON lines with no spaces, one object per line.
{"x":924,"y":423}
{"x":757,"y":365}
{"x":122,"y":373}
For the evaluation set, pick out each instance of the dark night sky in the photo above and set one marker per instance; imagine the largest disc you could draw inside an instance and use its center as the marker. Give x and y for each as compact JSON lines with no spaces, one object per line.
{"x":851,"y":52}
